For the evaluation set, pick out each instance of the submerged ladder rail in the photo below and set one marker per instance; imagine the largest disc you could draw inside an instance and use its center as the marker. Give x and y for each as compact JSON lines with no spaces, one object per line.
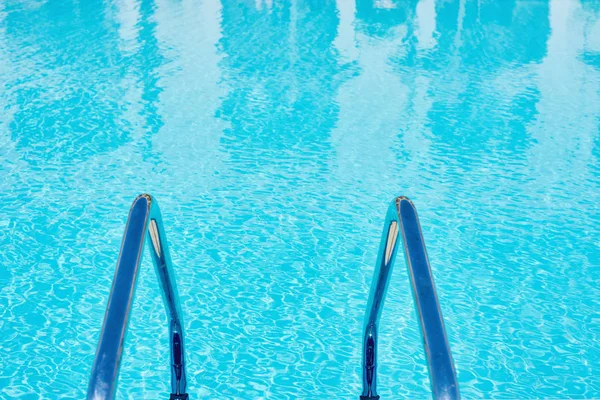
{"x":144,"y":220}
{"x":402,"y":218}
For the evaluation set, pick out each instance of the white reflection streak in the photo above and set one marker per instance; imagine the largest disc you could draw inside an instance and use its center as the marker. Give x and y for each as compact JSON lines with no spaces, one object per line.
{"x":128,"y":16}
{"x":426,"y":24}
{"x":592,"y":33}
{"x":374,"y":106}
{"x":191,"y":94}
{"x":461,"y":18}
{"x":5,"y":68}
{"x":384,"y":4}
{"x":568,"y":109}
{"x":267,"y":3}
{"x":344,"y":40}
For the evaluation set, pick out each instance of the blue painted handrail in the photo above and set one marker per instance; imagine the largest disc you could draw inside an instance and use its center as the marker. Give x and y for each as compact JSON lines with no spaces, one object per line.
{"x":402,"y":218}
{"x":144,"y":219}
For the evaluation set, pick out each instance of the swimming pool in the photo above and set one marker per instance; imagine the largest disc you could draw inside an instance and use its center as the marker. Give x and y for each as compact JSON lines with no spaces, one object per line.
{"x":274,"y":135}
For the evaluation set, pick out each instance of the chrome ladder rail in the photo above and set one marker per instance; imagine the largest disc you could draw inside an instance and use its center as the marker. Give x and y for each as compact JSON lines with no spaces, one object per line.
{"x":402,"y":218}
{"x":144,"y":219}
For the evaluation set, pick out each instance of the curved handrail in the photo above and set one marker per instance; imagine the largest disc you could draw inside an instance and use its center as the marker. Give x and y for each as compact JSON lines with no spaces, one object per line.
{"x":144,"y":217}
{"x":402,"y":216}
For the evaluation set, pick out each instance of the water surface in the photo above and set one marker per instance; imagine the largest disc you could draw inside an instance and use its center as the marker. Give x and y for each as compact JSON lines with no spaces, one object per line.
{"x":274,"y":134}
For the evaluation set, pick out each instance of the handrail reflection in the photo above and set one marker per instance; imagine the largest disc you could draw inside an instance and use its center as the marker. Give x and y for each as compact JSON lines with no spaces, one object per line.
{"x":402,"y":216}
{"x":144,"y":218}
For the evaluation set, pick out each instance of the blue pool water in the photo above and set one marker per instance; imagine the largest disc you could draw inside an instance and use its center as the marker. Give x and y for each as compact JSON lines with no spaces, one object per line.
{"x":274,"y":134}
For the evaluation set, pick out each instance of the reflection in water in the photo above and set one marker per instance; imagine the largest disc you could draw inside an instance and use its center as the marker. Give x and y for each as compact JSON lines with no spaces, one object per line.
{"x":377,"y":18}
{"x":425,"y":21}
{"x":73,"y":92}
{"x":591,"y":23}
{"x":478,"y":94}
{"x":566,"y":126}
{"x":149,"y":59}
{"x":282,"y":75}
{"x":478,"y":119}
{"x":65,"y":100}
{"x":66,"y":94}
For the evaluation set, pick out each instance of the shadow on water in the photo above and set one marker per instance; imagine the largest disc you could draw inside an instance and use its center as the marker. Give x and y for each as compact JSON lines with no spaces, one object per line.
{"x":71,"y":79}
{"x":65,"y":84}
{"x":468,"y":68}
{"x":485,"y":96}
{"x":283,"y":74}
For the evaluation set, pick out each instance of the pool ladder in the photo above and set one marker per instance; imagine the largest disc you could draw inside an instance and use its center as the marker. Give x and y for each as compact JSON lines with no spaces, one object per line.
{"x":145,"y":221}
{"x":402,"y":218}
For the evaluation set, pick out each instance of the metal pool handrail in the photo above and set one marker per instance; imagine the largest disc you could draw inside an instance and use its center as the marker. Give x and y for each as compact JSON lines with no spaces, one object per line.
{"x":144,"y":217}
{"x":402,"y":216}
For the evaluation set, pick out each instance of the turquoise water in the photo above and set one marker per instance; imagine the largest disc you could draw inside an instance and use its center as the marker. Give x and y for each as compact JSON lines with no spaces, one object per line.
{"x":274,"y":134}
